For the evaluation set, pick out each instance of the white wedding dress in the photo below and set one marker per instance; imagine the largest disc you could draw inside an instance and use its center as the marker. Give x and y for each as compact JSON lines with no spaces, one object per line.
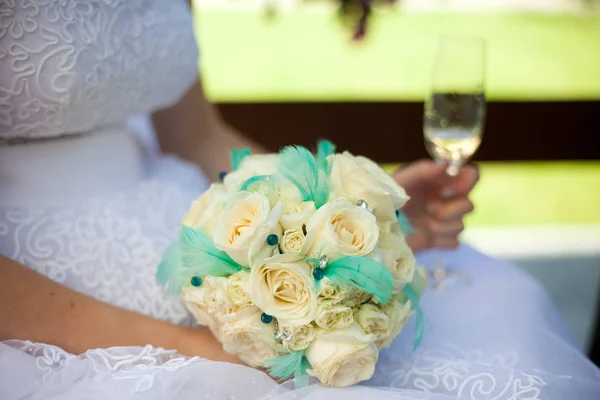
{"x":86,"y":202}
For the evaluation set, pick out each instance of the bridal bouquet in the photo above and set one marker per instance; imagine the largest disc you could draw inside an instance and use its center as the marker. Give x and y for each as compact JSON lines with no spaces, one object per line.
{"x":298,"y":263}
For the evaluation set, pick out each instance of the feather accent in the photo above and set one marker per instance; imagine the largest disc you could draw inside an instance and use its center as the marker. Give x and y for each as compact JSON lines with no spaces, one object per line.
{"x":194,"y":255}
{"x":170,"y":263}
{"x":250,"y":183}
{"x":290,"y":365}
{"x":363,"y":273}
{"x":237,"y":155}
{"x":413,"y":296}
{"x":405,"y":225}
{"x":299,"y":166}
{"x":324,"y":149}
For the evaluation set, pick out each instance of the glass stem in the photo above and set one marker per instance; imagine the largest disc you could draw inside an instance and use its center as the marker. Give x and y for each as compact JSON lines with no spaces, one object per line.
{"x":453,"y":168}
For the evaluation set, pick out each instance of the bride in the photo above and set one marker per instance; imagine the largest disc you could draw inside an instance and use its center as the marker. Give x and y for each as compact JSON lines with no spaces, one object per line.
{"x":87,"y":207}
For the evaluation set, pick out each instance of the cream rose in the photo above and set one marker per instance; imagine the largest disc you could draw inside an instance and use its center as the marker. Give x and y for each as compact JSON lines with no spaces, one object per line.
{"x":340,"y":229}
{"x":373,"y":320}
{"x":204,"y":211}
{"x":234,"y":288}
{"x":355,"y":297}
{"x":205,"y":302}
{"x":398,"y":310}
{"x":275,"y":189}
{"x":284,"y":288}
{"x":260,"y":164}
{"x":249,"y":338}
{"x":330,"y":294}
{"x":243,"y":227}
{"x":296,"y":214}
{"x":301,"y":337}
{"x":358,"y":178}
{"x":292,"y":242}
{"x":334,"y":317}
{"x":398,"y":258}
{"x":343,"y":357}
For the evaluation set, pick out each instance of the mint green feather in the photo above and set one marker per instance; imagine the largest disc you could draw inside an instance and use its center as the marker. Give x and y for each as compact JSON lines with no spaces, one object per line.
{"x":171,"y":262}
{"x":237,"y":155}
{"x":290,"y":365}
{"x":405,"y":225}
{"x":299,"y":166}
{"x":194,"y":255}
{"x":324,"y":149}
{"x":269,"y":179}
{"x":363,"y":273}
{"x":413,"y":296}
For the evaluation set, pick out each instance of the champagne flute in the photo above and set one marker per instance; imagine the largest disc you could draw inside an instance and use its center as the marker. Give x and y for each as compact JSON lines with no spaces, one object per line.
{"x":454,"y":117}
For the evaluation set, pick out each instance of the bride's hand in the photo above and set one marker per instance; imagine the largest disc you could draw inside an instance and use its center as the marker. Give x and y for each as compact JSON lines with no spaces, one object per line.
{"x":437,"y":202}
{"x":201,"y":342}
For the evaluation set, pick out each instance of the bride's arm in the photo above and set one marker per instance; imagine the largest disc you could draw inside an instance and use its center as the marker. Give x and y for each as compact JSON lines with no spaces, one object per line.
{"x":36,"y":308}
{"x":194,"y":130}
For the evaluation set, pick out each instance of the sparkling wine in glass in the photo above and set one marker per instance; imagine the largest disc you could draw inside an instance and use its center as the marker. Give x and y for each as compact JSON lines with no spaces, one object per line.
{"x":454,"y":115}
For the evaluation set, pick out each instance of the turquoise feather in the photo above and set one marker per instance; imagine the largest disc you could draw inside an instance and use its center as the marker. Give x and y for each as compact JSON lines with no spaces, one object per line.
{"x":324,"y":149}
{"x":405,"y":225}
{"x":194,"y":255}
{"x":290,"y":365}
{"x":270,"y":179}
{"x":237,"y":155}
{"x":171,"y":262}
{"x":413,"y":296}
{"x":363,"y":273}
{"x":299,"y":166}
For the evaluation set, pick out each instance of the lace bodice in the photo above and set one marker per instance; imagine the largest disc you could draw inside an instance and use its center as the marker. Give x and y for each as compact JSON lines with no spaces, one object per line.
{"x":74,"y":66}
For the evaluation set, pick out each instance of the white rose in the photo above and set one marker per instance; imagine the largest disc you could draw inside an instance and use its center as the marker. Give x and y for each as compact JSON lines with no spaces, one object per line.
{"x":204,"y":211}
{"x":355,"y":297}
{"x":275,"y":189}
{"x":235,"y":288}
{"x":249,"y":338}
{"x":330,"y":294}
{"x":358,"y":178}
{"x":302,"y":336}
{"x":292,"y":242}
{"x":243,"y":227}
{"x":296,"y":214}
{"x":260,"y":164}
{"x":340,"y":229}
{"x":398,"y":312}
{"x":205,"y":301}
{"x":398,"y":258}
{"x":373,"y":320}
{"x":335,"y":317}
{"x":284,"y":288}
{"x":343,"y":357}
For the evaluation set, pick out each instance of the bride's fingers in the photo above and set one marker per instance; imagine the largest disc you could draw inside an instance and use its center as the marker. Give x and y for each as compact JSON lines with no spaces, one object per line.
{"x":444,"y":242}
{"x":446,"y":229}
{"x":452,"y":209}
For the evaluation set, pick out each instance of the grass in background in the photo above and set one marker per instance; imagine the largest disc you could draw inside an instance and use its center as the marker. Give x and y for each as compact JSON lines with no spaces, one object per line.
{"x":305,"y":55}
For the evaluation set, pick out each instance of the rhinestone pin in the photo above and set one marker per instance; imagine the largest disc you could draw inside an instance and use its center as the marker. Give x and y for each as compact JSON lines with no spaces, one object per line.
{"x":323,"y":262}
{"x":284,"y":336}
{"x":363,"y":204}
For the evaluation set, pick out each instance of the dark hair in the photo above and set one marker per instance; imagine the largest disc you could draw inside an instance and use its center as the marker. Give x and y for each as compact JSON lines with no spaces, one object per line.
{"x":357,"y":13}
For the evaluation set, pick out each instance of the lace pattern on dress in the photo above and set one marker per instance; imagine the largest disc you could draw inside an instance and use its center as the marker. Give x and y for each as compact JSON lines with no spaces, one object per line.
{"x":69,"y":66}
{"x":109,"y":247}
